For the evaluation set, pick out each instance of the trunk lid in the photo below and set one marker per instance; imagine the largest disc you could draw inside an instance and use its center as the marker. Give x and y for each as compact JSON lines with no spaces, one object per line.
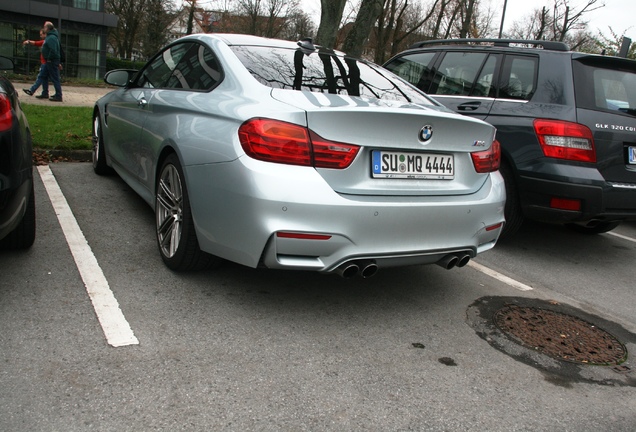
{"x":402,"y":132}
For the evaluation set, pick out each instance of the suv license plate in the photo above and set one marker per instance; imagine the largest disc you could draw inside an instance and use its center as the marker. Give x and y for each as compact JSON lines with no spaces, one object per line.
{"x":403,"y":165}
{"x":631,"y":152}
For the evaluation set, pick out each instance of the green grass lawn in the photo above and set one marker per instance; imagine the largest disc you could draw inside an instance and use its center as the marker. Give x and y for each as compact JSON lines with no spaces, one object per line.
{"x":59,"y":127}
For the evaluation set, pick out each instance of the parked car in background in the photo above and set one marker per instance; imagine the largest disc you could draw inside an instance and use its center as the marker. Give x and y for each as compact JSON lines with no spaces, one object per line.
{"x":284,"y":155}
{"x":565,"y":120}
{"x":17,"y":200}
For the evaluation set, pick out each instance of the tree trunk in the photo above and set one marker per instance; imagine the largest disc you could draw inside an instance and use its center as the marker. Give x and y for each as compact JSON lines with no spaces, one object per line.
{"x":366,"y":18}
{"x":468,"y":18}
{"x":330,"y":16}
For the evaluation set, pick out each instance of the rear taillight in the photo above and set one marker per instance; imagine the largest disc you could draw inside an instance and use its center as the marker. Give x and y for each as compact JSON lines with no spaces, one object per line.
{"x":488,"y":160}
{"x":280,"y":142}
{"x":6,"y":116}
{"x":565,"y":140}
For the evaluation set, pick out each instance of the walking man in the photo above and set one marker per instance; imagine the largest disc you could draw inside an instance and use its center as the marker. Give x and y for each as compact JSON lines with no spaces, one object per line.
{"x":51,"y":53}
{"x":42,"y":78}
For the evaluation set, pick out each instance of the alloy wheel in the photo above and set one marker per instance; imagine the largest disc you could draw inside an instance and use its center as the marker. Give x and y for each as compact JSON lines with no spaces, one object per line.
{"x":169,"y":211}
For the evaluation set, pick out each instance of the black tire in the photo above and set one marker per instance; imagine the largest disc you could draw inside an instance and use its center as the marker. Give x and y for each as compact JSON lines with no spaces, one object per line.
{"x":99,"y":153}
{"x":512,"y":210}
{"x":597,"y":228}
{"x":23,"y":236}
{"x":176,"y":237}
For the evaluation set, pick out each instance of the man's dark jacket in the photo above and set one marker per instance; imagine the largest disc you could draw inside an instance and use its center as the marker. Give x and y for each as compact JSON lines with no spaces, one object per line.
{"x":51,"y":47}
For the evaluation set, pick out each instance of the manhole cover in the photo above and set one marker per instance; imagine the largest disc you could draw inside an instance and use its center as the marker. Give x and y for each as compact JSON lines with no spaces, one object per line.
{"x":560,"y":336}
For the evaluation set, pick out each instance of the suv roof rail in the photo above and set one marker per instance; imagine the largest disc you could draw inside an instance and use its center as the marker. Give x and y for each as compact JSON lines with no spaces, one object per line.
{"x":547,"y":45}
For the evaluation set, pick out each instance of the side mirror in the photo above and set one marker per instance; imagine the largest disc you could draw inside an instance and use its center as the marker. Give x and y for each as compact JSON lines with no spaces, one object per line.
{"x":119,"y":77}
{"x":6,"y":63}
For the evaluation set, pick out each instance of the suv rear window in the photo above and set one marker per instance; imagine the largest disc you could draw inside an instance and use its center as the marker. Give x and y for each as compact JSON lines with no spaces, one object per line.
{"x":606,"y":87}
{"x":324,"y":72}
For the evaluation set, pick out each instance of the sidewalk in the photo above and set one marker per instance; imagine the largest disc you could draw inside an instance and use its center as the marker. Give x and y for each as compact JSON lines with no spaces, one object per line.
{"x":73,"y":96}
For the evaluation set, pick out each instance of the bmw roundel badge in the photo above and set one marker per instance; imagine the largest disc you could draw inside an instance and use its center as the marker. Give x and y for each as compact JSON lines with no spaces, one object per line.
{"x":426,"y":133}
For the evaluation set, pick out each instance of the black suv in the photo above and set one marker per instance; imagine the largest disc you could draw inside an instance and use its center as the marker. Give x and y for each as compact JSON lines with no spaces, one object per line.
{"x":566,"y":122}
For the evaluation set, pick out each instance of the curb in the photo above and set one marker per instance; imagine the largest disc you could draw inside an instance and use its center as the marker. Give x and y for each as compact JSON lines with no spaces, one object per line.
{"x":44,"y":156}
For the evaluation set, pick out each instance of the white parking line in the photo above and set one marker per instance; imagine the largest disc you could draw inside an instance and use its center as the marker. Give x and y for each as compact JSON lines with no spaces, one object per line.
{"x":622,"y":236}
{"x":503,"y":278}
{"x":116,"y":329}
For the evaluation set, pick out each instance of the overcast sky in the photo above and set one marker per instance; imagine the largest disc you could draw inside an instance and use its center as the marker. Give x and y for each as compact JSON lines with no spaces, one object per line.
{"x":619,"y":14}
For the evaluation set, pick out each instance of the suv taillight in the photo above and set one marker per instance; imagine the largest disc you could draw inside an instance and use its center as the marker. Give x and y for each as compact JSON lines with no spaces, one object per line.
{"x":488,"y":160}
{"x":6,"y":117}
{"x":565,"y":140}
{"x":280,"y":142}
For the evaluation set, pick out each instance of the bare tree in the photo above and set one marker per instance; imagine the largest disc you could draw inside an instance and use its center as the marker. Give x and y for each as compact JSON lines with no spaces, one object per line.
{"x":299,"y":26}
{"x":397,"y":24}
{"x":566,"y":19}
{"x":279,"y":13}
{"x":267,"y":18}
{"x":564,"y":23}
{"x":441,"y":10}
{"x":158,"y":16}
{"x":466,"y":12}
{"x":359,"y":33}
{"x":123,"y":39}
{"x":330,"y":17}
{"x":252,"y":9}
{"x":387,"y":22}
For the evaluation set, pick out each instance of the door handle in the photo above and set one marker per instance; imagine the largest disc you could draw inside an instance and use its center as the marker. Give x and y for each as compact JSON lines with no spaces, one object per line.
{"x":469,"y":106}
{"x":142,"y":102}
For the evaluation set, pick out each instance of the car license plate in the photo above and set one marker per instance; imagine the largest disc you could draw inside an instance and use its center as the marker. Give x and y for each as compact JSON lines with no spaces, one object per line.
{"x":631,"y":152}
{"x":412,"y":165}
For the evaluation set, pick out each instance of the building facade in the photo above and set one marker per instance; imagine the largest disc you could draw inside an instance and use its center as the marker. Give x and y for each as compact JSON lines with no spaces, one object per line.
{"x":83,"y":26}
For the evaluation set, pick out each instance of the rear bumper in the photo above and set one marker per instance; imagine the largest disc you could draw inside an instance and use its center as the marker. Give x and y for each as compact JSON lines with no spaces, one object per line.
{"x":238,"y":218}
{"x":600,"y":200}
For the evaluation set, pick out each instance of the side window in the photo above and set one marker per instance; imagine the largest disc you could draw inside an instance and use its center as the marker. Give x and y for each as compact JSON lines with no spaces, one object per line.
{"x":198,"y":69}
{"x":457,"y":74}
{"x":158,"y":71}
{"x":484,"y":85}
{"x":519,"y":77}
{"x":413,"y":68}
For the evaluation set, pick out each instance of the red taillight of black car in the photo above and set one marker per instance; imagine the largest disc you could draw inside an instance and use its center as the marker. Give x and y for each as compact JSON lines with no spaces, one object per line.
{"x":281,"y":142}
{"x":565,"y":140}
{"x":6,"y":116}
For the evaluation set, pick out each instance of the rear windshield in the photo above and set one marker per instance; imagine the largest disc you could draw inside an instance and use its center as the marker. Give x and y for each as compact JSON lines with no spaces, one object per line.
{"x":324,"y":72}
{"x":606,"y":86}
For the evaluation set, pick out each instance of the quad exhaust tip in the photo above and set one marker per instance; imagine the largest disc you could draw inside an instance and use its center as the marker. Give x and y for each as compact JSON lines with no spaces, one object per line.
{"x":454,"y":260}
{"x":368,"y":268}
{"x":364,"y":268}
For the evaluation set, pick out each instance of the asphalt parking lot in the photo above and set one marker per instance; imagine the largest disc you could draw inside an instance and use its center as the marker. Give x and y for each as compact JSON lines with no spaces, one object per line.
{"x":234,"y":348}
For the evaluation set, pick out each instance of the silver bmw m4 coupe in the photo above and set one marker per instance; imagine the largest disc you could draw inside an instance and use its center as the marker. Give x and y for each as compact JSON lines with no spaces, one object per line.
{"x":287,"y":155}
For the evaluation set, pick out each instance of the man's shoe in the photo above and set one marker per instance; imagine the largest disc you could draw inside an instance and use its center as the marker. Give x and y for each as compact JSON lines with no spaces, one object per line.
{"x":27,"y":91}
{"x":42,"y":96}
{"x":55,"y":98}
